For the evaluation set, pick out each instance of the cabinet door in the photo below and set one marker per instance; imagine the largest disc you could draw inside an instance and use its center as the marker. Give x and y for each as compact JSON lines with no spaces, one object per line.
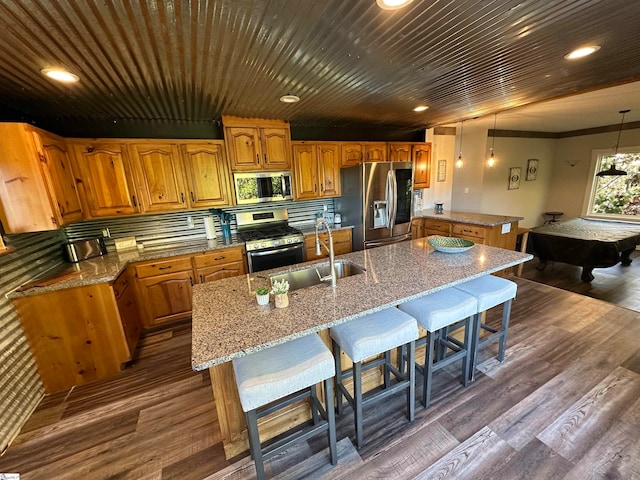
{"x":276,"y":149}
{"x":375,"y":152}
{"x":62,"y":183}
{"x":206,"y":174}
{"x":351,"y":154}
{"x":417,"y":228}
{"x":165,"y":298}
{"x":107,"y":179}
{"x":160,"y":176}
{"x":128,"y":309}
{"x":305,"y":171}
{"x":399,"y":152}
{"x":243,"y":144}
{"x":329,"y":169}
{"x":422,"y":166}
{"x":218,"y":272}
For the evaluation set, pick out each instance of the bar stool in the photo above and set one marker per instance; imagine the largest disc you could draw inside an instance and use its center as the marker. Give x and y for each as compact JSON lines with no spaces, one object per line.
{"x":273,"y":378}
{"x":434,"y":312}
{"x":489,"y":291}
{"x":364,"y":337}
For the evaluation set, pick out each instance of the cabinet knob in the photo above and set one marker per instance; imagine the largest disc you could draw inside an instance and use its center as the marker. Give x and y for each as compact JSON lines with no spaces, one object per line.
{"x":182,"y":197}
{"x":135,"y":202}
{"x":193,"y":197}
{"x":191,"y":280}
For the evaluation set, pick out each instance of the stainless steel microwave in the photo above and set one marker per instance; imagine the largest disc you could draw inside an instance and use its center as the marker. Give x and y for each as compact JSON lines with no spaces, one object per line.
{"x":259,"y":187}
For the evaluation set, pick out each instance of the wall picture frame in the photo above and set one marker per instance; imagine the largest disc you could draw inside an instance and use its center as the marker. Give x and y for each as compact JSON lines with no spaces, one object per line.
{"x":442,"y":171}
{"x":532,"y":169}
{"x":514,"y":178}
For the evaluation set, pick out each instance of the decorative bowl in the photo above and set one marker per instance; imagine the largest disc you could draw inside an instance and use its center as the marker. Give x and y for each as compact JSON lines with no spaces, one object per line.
{"x":450,"y":244}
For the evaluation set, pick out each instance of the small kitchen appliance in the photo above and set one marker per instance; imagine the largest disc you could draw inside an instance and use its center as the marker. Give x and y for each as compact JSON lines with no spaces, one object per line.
{"x":85,"y":248}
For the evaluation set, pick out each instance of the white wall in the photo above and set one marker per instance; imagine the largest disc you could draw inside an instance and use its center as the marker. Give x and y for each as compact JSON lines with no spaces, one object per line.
{"x":569,"y":184}
{"x":477,"y":188}
{"x":530,"y":200}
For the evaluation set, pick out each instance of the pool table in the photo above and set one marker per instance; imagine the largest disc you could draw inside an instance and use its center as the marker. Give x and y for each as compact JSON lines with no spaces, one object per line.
{"x":586,"y":243}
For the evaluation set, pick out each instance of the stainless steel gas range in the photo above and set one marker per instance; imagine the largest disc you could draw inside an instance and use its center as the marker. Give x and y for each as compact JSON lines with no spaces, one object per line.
{"x":269,"y":240}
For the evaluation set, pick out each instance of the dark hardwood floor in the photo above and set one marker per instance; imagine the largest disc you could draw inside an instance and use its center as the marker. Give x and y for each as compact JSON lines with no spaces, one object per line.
{"x":565,"y":404}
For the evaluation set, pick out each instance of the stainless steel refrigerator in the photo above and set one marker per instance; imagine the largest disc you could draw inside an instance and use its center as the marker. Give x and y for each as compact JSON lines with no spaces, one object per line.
{"x":377,"y":198}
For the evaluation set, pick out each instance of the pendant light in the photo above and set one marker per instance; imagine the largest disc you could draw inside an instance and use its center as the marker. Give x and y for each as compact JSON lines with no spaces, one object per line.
{"x":612,"y":170}
{"x":459,"y":162}
{"x":491,"y":161}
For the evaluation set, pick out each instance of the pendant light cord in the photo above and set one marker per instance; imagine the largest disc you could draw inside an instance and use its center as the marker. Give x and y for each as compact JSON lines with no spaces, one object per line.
{"x":493,"y":137}
{"x":623,"y":112}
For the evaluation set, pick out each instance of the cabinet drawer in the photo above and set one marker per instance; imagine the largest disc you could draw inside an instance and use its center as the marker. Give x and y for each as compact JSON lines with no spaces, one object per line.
{"x":469,"y":230}
{"x":160,"y":267}
{"x":218,"y":257}
{"x":435,"y":227}
{"x":218,"y":272}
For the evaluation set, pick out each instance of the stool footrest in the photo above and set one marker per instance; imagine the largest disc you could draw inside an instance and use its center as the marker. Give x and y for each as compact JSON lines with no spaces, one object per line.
{"x":283,"y":402}
{"x":280,"y":446}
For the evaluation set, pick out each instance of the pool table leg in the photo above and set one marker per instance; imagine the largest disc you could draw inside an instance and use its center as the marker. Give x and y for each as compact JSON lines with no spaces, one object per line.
{"x":587,"y":276}
{"x":624,"y":257}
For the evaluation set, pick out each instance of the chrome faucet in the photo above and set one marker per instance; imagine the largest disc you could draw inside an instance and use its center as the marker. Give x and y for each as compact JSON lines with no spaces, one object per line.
{"x":332,"y":262}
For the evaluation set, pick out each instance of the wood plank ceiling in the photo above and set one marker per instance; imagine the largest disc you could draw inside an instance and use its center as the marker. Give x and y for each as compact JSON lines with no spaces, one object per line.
{"x":349,"y":61}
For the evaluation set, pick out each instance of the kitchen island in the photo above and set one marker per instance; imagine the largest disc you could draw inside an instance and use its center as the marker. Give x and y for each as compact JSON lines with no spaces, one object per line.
{"x":228,"y":323}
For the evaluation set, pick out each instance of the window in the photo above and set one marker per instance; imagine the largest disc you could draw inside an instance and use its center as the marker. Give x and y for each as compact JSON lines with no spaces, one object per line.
{"x":617,"y":196}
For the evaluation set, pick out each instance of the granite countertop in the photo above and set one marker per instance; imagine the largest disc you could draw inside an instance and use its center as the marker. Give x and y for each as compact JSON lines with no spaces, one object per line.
{"x":466,"y":217}
{"x":107,"y":268}
{"x":228,"y":323}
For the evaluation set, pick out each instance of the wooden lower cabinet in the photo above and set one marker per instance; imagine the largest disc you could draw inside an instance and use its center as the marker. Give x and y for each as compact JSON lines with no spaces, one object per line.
{"x":220,"y":264}
{"x":164,"y":287}
{"x":76,"y":335}
{"x":164,"y":290}
{"x":342,"y":243}
{"x":482,"y":234}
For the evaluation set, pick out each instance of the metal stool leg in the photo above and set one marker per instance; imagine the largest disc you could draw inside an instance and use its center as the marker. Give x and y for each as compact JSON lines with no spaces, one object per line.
{"x":254,"y":443}
{"x":331,"y":419}
{"x":357,"y":398}
{"x":506,"y":313}
{"x":314,"y":410}
{"x":385,"y":370}
{"x":338,"y":377}
{"x":428,"y":369}
{"x":411,"y":374}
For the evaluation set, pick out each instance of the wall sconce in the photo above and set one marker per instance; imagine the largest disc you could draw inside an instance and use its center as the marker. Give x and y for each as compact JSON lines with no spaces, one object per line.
{"x":459,"y":162}
{"x":491,"y":161}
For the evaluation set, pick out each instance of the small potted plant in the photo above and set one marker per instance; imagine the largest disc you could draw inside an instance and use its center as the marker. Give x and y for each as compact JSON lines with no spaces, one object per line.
{"x":279,"y":290}
{"x":262,"y":295}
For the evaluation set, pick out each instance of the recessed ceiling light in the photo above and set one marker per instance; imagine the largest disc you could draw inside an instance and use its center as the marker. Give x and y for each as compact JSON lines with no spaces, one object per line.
{"x":420,"y":108}
{"x":60,"y":75}
{"x":392,"y":4}
{"x":582,"y":52}
{"x":288,"y":98}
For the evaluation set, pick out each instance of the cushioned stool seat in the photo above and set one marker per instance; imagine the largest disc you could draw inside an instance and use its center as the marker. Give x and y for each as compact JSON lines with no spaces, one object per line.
{"x":434,"y":312}
{"x":279,"y":372}
{"x":490,"y":291}
{"x":364,"y":337}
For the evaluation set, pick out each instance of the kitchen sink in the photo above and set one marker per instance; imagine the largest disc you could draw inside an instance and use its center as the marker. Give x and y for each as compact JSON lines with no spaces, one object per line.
{"x":307,"y":277}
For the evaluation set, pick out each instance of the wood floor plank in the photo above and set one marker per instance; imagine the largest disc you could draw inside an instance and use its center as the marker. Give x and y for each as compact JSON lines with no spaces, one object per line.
{"x":477,"y":457}
{"x":534,"y":462}
{"x":575,"y":431}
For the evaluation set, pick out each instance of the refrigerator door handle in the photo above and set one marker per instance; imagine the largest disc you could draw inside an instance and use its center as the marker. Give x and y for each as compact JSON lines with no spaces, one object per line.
{"x":390,"y":199}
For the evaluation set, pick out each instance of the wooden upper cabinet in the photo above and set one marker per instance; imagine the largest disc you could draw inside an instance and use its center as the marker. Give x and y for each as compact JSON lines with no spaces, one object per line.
{"x":316,"y":170}
{"x":375,"y":152}
{"x":160,"y":176}
{"x":422,"y":165}
{"x":400,"y":152}
{"x":329,"y":169}
{"x":245,"y":151}
{"x":305,"y":167}
{"x":106,"y":179}
{"x":37,"y":185}
{"x":351,"y":154}
{"x":206,"y":174}
{"x":257,"y":144}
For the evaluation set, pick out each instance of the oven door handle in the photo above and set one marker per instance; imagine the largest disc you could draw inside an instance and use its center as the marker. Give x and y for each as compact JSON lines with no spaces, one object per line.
{"x":278,"y":250}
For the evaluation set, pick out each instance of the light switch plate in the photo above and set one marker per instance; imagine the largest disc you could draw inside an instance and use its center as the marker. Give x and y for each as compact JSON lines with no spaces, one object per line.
{"x":125,"y":243}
